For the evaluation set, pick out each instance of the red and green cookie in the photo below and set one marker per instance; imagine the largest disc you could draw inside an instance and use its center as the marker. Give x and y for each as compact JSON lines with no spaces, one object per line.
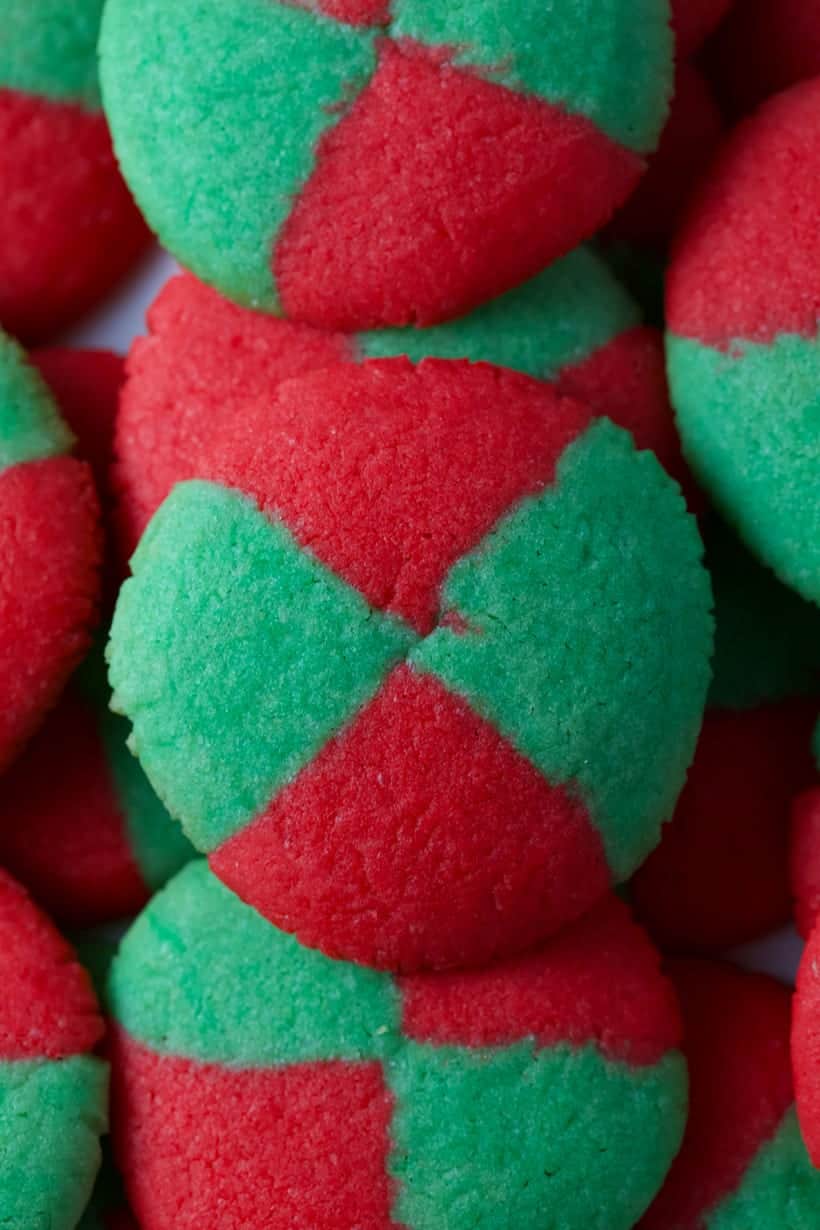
{"x":743,"y":1164}
{"x":50,"y":552}
{"x":206,"y":359}
{"x":354,"y":163}
{"x":259,"y":1083}
{"x":806,"y":1045}
{"x":53,"y":1091}
{"x":765,"y":46}
{"x":421,"y":665}
{"x":720,"y":876}
{"x":69,"y":227}
{"x":80,"y":825}
{"x":743,"y":302}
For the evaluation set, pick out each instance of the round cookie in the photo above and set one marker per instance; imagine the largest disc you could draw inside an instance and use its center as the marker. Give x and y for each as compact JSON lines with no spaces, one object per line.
{"x":690,"y":139}
{"x":359,"y":163}
{"x":765,"y":46}
{"x":422,"y":664}
{"x":720,"y":875}
{"x":50,"y":551}
{"x":743,"y":1165}
{"x":53,"y":1091}
{"x":806,"y":1045}
{"x":69,"y":227}
{"x":694,"y":20}
{"x":743,"y":355}
{"x":331,"y":1096}
{"x":80,"y":825}
{"x":205,"y":359}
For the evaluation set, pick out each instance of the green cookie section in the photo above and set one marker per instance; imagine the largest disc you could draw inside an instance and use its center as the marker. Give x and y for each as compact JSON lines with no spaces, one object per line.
{"x":51,"y":1117}
{"x":750,"y":424}
{"x":30,"y":427}
{"x":550,"y":1120}
{"x":595,"y":589}
{"x":229,"y":693}
{"x":607,"y":60}
{"x":544,"y":1118}
{"x":158,"y":844}
{"x":241,"y":1003}
{"x":257,"y":85}
{"x":780,"y":1189}
{"x":767,"y":639}
{"x":49,"y":47}
{"x":551,"y":322}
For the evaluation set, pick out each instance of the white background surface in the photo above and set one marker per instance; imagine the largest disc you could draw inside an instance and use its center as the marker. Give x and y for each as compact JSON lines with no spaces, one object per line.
{"x":123,"y":318}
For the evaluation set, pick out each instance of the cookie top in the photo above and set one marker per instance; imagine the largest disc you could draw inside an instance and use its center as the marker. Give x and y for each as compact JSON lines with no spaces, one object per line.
{"x":50,"y":547}
{"x":68,"y":224}
{"x":743,"y":305}
{"x":743,"y":1165}
{"x":383,"y":561}
{"x":495,"y":1097}
{"x":292,"y":120}
{"x":806,"y":1045}
{"x":206,"y":359}
{"x":52,"y":1091}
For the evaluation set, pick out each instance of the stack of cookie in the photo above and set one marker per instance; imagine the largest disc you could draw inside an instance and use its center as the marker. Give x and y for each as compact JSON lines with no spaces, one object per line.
{"x":409,"y":693}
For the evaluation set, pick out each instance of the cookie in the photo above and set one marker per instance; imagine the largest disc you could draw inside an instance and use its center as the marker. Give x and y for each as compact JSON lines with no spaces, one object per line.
{"x":50,"y":547}
{"x":259,"y":1083}
{"x":743,"y":1165}
{"x":806,"y":1045}
{"x":363,"y":164}
{"x":80,"y":825}
{"x":720,"y":875}
{"x":205,"y":359}
{"x":743,"y":356}
{"x":422,"y":664}
{"x":53,"y":1091}
{"x":694,"y":20}
{"x":765,"y":46}
{"x":70,"y":229}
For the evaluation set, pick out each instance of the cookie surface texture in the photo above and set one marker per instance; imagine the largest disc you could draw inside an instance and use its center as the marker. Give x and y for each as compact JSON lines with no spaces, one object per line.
{"x":205,"y":360}
{"x":53,"y":1091}
{"x":743,"y":306}
{"x":382,"y":562}
{"x":50,"y":548}
{"x":369,"y":164}
{"x":70,"y":229}
{"x":328,"y":1095}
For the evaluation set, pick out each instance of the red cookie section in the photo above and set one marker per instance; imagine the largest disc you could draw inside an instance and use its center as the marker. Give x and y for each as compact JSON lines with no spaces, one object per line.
{"x":485,"y":856}
{"x":69,"y":228}
{"x":299,"y":1148}
{"x":500,"y":202}
{"x":745,"y":262}
{"x":805,"y":860}
{"x":694,"y":21}
{"x":47,"y":1007}
{"x":204,"y":363}
{"x":720,"y":875}
{"x":690,"y":139}
{"x":765,"y":46}
{"x":356,"y":12}
{"x":86,"y":385}
{"x":564,"y":993}
{"x":62,"y":832}
{"x":415,"y":485}
{"x":806,"y":1046}
{"x":626,"y":381}
{"x":49,"y":560}
{"x":736,"y":1042}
